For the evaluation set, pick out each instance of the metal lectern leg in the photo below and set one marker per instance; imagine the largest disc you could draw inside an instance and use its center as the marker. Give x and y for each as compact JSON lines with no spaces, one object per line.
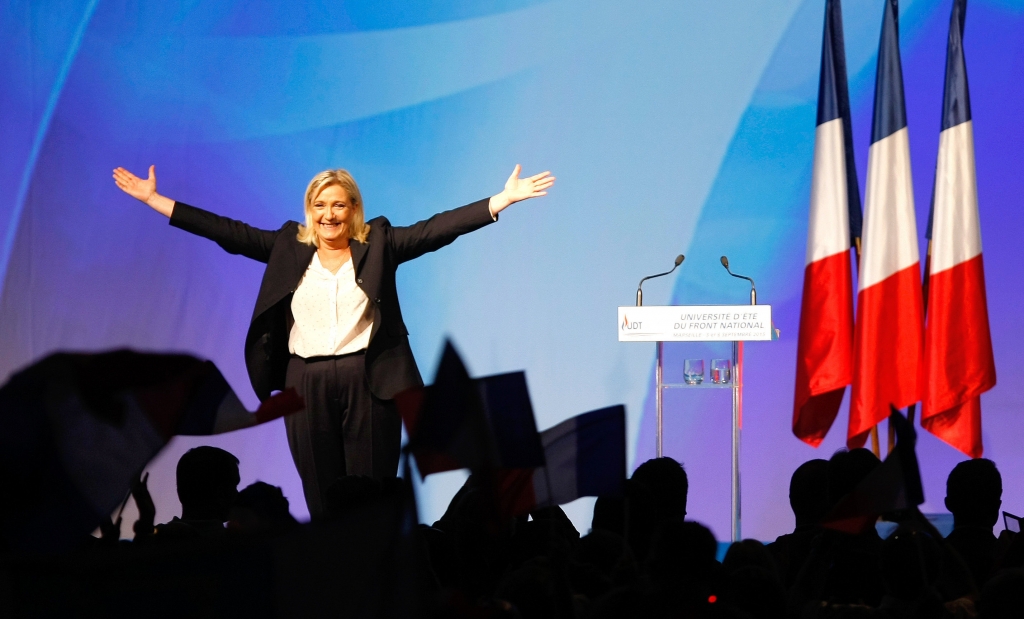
{"x":658,"y":387}
{"x":737,"y":417}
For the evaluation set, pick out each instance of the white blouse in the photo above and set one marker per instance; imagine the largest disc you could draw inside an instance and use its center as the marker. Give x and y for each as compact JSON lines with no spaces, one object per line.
{"x":333,"y":316}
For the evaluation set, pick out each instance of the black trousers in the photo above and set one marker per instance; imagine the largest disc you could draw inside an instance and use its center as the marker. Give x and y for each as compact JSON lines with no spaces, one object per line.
{"x":344,"y":430}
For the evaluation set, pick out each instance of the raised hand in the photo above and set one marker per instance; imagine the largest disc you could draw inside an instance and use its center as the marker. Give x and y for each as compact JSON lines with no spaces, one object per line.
{"x":140,"y":189}
{"x":517,"y":189}
{"x":147,"y":509}
{"x":143,"y":189}
{"x":522,"y":188}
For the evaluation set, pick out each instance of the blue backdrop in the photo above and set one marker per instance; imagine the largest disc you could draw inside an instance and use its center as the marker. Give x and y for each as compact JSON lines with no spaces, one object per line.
{"x":674,"y":127}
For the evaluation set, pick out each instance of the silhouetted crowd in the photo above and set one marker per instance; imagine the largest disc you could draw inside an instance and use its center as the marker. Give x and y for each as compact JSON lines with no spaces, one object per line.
{"x":241,"y":553}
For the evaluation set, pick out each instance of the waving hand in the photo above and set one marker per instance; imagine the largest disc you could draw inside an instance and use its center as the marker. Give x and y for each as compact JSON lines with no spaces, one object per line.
{"x":518,"y":189}
{"x":143,"y":189}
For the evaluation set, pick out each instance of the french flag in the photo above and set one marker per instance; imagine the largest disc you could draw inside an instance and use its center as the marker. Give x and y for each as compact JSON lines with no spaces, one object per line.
{"x":483,"y":424}
{"x":76,"y":428}
{"x":889,"y":333}
{"x":958,"y":361}
{"x":585,"y":456}
{"x":825,"y":343}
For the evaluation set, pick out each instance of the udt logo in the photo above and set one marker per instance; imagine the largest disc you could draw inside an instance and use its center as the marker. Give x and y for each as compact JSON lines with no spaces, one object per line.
{"x":629,"y":326}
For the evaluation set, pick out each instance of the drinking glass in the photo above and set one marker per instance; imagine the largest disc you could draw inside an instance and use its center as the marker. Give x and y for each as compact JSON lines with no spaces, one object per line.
{"x":693,"y":371}
{"x":721,"y":371}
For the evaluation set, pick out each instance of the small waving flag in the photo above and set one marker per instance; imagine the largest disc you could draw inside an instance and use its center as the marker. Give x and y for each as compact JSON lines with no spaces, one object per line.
{"x":586,"y":456}
{"x":889,"y":333}
{"x":824,"y":364}
{"x":76,"y":428}
{"x":958,"y":361}
{"x":445,"y":421}
{"x":479,"y":424}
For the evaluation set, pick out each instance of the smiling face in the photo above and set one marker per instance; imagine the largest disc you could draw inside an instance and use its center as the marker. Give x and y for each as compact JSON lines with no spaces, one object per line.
{"x":332,"y":211}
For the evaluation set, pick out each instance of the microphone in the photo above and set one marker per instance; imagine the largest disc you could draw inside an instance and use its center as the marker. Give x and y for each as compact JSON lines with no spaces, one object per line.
{"x":640,"y":292}
{"x":753,"y":289}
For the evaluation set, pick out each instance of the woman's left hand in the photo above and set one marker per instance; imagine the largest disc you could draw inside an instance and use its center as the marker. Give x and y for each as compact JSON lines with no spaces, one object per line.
{"x":517,"y":189}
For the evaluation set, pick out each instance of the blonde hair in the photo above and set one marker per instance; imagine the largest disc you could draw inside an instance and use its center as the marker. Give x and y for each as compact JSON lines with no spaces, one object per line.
{"x":357,"y":227}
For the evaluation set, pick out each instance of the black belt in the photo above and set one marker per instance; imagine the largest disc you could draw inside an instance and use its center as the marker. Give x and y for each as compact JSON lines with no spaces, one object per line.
{"x":329,"y":357}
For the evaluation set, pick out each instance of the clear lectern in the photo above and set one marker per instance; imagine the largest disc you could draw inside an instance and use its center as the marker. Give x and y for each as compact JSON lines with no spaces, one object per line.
{"x":702,"y":323}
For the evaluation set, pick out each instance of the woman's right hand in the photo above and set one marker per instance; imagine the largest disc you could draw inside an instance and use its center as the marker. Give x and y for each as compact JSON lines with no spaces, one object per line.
{"x":143,"y":190}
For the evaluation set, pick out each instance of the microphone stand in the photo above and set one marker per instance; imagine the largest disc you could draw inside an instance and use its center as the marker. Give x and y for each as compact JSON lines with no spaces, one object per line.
{"x":661,"y":353}
{"x":639,"y":287}
{"x":737,"y":409}
{"x":753,"y":288}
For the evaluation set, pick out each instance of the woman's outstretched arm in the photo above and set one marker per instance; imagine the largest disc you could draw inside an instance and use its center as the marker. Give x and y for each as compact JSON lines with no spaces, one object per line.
{"x":409,"y":242}
{"x":144,"y":190}
{"x":234,"y":236}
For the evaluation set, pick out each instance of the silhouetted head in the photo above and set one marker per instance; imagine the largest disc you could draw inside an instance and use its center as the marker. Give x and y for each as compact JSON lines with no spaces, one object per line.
{"x":656,"y":492}
{"x":748,"y":553}
{"x":609,"y":515}
{"x":681,"y":570}
{"x":261,"y":508}
{"x":667,"y":486}
{"x":911,"y":562}
{"x":846,"y":469}
{"x":684,"y":550}
{"x":974,"y":493}
{"x":207,"y":483}
{"x":808,"y":492}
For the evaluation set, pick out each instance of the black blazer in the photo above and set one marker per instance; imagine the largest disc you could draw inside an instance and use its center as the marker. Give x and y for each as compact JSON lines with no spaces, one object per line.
{"x":390,"y":366}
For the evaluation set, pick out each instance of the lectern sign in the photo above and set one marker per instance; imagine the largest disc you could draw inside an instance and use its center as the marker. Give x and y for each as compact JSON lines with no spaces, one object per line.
{"x":695,"y":323}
